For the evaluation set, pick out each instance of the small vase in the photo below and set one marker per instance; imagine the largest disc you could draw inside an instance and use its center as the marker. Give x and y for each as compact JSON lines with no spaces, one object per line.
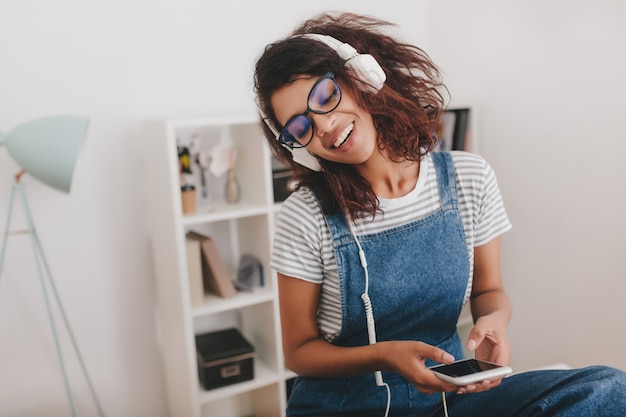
{"x":232,"y":187}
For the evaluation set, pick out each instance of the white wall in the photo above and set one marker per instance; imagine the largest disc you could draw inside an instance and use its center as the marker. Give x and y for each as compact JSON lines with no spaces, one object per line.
{"x":548,"y":80}
{"x":121,"y":63}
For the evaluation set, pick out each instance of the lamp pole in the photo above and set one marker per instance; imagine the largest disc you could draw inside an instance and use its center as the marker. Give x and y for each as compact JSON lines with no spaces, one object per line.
{"x":42,"y":264}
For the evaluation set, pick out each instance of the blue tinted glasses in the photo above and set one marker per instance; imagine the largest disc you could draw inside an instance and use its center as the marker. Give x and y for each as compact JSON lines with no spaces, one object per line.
{"x":323,"y":98}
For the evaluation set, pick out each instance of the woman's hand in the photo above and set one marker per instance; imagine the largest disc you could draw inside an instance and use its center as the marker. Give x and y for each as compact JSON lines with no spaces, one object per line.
{"x":489,"y":341}
{"x":408,"y":359}
{"x":491,"y":310}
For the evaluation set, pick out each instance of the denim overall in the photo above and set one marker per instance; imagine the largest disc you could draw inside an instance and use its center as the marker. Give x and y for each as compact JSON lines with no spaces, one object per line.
{"x":418,"y":276}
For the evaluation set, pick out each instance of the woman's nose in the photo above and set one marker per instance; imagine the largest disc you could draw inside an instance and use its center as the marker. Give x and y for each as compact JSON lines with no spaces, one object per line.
{"x":323,"y":123}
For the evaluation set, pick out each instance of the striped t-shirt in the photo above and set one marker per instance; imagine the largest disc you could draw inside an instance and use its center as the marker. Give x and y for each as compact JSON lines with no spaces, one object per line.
{"x":303,"y":245}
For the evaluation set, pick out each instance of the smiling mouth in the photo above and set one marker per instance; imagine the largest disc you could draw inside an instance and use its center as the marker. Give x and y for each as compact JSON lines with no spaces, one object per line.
{"x":343,"y":137}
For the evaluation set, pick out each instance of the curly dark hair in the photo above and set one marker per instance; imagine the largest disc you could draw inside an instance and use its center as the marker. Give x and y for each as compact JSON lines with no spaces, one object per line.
{"x":407,"y":109}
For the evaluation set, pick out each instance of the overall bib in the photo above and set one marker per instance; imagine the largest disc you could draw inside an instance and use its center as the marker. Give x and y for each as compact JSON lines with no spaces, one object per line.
{"x":418,"y":276}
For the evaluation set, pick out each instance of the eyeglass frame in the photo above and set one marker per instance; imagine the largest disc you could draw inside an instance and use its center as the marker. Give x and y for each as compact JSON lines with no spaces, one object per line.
{"x":281,"y":138}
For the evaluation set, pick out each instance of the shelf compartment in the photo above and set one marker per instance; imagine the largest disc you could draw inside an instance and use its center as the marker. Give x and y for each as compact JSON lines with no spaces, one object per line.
{"x":255,"y":324}
{"x":251,"y":166}
{"x":238,"y":236}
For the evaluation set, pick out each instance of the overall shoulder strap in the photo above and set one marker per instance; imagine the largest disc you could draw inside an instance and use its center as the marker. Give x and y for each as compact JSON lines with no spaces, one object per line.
{"x":444,"y":167}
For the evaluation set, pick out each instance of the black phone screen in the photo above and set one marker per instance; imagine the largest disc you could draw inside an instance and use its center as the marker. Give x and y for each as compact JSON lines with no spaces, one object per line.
{"x":468,"y":367}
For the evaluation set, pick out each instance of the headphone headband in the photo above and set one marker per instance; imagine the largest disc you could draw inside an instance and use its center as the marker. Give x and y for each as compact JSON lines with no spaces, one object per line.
{"x":365,"y":66}
{"x":344,"y":50}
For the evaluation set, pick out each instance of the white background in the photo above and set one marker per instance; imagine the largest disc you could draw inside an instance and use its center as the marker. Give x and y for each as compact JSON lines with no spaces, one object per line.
{"x":546,"y":81}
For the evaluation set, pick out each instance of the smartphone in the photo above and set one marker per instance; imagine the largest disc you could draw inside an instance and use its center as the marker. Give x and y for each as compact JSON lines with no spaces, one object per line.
{"x":469,"y":371}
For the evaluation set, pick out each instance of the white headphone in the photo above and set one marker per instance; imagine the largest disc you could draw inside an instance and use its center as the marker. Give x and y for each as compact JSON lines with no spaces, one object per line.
{"x":366,"y":68}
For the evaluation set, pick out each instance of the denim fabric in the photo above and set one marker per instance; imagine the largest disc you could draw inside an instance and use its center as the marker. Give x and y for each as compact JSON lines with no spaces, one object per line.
{"x":418,"y":276}
{"x":589,"y":392}
{"x":417,"y":279}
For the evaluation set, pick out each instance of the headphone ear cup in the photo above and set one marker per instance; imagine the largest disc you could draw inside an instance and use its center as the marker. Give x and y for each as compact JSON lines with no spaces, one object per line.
{"x":303,"y":157}
{"x":368,"y":70}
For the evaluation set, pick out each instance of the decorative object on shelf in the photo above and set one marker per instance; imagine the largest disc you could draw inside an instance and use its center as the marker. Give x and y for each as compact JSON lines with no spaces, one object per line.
{"x":223,"y":158}
{"x":232,"y":184}
{"x":220,"y":155}
{"x":187,"y":191}
{"x":203,"y":160}
{"x":215,"y":275}
{"x":184,"y":160}
{"x":188,"y":196}
{"x":249,"y":273}
{"x":48,"y":148}
{"x":225,"y":357}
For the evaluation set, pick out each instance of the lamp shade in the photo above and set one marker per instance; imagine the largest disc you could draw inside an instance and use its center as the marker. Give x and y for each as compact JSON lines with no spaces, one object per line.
{"x":47,"y":148}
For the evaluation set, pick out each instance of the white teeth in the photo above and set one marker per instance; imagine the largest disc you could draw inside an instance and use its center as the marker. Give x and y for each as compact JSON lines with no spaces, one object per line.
{"x":344,"y":135}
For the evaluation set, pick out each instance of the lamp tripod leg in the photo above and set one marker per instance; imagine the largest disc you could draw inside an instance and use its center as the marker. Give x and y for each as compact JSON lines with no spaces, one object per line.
{"x":41,"y":260}
{"x":52,"y":324}
{"x":6,"y":230}
{"x":79,"y":356}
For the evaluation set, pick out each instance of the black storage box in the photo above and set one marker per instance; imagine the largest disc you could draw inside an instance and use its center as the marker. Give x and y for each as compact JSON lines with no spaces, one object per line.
{"x":224,"y":357}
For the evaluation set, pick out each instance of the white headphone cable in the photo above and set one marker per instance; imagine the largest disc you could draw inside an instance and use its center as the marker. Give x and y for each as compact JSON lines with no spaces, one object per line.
{"x":369,"y":315}
{"x":371,"y":328}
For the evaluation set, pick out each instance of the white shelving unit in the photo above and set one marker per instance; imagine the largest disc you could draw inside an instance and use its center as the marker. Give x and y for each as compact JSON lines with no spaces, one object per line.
{"x":245,"y":227}
{"x":239,"y":228}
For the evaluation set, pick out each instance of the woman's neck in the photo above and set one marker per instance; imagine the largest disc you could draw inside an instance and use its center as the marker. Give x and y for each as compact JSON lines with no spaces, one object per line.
{"x":390,"y":179}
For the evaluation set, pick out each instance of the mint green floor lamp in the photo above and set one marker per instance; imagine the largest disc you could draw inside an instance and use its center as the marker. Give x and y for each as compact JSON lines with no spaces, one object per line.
{"x":47,"y":149}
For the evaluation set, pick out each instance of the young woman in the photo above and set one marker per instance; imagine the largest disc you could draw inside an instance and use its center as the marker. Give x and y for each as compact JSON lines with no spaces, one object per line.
{"x":384,"y":240}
